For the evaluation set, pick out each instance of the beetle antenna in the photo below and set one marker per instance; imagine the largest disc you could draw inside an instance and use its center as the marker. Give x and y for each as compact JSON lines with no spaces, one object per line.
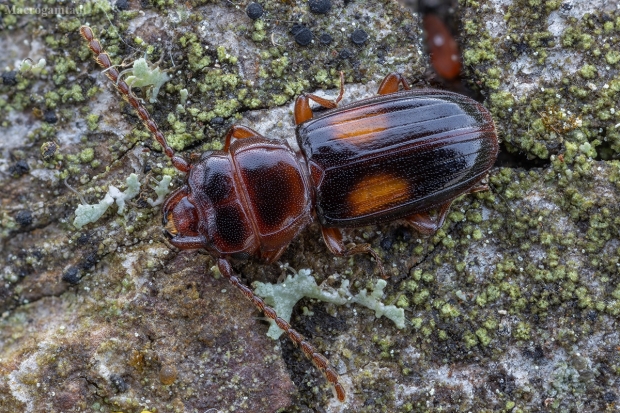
{"x":319,"y":360}
{"x":112,"y":73}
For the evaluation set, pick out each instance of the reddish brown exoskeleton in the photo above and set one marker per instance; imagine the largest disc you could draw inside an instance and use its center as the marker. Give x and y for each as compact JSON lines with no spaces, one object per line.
{"x":399,"y":155}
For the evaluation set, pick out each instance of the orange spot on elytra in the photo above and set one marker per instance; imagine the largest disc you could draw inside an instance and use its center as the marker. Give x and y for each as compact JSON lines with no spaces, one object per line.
{"x":377,"y":192}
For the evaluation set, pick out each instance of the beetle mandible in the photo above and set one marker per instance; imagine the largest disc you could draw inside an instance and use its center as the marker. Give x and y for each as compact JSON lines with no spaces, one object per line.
{"x":396,"y":156}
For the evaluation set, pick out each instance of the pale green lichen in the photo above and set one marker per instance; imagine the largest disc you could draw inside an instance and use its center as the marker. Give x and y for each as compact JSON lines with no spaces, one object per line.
{"x":144,"y":75}
{"x":162,"y":189}
{"x":183,"y":93}
{"x":29,"y":66}
{"x":284,"y":296}
{"x":87,"y":213}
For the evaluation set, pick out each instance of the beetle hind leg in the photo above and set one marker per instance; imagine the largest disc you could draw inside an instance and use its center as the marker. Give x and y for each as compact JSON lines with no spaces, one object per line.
{"x":424,"y":224}
{"x":333,"y":240}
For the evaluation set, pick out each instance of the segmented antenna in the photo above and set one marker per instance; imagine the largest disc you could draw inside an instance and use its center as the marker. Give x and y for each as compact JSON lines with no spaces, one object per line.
{"x":104,"y":61}
{"x":319,"y":360}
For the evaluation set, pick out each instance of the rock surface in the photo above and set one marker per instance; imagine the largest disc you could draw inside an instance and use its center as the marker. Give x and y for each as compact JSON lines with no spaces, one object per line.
{"x":514,"y":305}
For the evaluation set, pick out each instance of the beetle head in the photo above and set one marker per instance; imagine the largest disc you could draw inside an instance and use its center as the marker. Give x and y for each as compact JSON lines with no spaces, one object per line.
{"x":181,"y":221}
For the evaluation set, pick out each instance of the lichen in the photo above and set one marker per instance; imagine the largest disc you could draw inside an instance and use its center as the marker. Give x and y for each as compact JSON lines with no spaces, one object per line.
{"x":143,"y":74}
{"x":285,"y":295}
{"x":89,"y":213}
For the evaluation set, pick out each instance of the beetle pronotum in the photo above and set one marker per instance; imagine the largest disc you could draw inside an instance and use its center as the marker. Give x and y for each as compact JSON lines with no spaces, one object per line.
{"x":400,"y":155}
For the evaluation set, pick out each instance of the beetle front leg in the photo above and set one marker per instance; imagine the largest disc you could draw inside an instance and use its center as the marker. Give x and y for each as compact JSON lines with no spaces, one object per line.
{"x":333,"y":240}
{"x":303,"y":112}
{"x":391,"y":82}
{"x":239,"y":132}
{"x":272,"y":256}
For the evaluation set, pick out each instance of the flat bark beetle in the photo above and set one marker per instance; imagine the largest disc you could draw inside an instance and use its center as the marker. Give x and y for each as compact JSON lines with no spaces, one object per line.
{"x":397,"y":156}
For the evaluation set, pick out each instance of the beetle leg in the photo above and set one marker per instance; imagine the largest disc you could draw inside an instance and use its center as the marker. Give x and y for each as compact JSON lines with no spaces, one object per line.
{"x":303,"y":112}
{"x":239,"y":132}
{"x":479,"y":187}
{"x":272,"y":256}
{"x":424,"y":224}
{"x":333,"y":240}
{"x":189,"y":243}
{"x":391,"y":82}
{"x":319,"y":360}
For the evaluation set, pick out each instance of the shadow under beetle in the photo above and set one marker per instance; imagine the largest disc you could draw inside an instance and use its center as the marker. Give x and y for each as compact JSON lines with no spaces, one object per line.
{"x":399,"y":155}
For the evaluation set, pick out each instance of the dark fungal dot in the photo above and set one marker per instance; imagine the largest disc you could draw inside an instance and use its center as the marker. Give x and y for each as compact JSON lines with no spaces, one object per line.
{"x":72,"y":276}
{"x":122,"y":5}
{"x":296,"y":28}
{"x":24,"y":218}
{"x":254,"y":11}
{"x":325,"y":39}
{"x":83,"y":239}
{"x":386,"y":243}
{"x":19,"y":168}
{"x":344,"y":54}
{"x":359,"y":36}
{"x":48,"y":149}
{"x":218,"y":120}
{"x":89,"y":261}
{"x":119,"y":383}
{"x":610,"y":397}
{"x":320,"y":6}
{"x":50,"y":116}
{"x":9,"y":78}
{"x":303,"y":35}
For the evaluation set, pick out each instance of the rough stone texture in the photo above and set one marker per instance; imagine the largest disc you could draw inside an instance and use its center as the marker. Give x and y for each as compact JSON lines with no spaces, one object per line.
{"x":512,"y":306}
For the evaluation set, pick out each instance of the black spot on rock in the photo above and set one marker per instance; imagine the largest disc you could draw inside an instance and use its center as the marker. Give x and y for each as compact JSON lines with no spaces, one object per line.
{"x":359,"y":36}
{"x":122,"y":5}
{"x":24,"y":218}
{"x":325,"y":39}
{"x":50,"y":116}
{"x":19,"y":168}
{"x":254,"y":11}
{"x":72,"y":276}
{"x":320,"y":6}
{"x":9,"y":78}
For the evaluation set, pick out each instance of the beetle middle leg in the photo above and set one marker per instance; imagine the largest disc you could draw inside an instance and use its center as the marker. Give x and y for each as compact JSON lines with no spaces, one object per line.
{"x":333,"y":240}
{"x":303,"y":112}
{"x":391,"y":82}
